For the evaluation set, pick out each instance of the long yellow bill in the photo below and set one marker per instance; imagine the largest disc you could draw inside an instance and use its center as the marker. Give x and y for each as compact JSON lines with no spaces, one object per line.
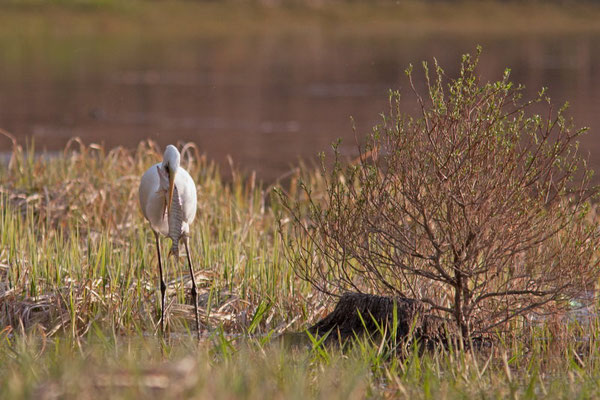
{"x":170,"y":193}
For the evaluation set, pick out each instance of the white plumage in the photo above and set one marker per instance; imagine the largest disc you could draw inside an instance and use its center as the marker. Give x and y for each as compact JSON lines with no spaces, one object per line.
{"x":154,"y":191}
{"x":158,"y":186}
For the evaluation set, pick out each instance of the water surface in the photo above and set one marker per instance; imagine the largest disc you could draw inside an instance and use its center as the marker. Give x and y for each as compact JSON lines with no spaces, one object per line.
{"x":265,"y":99}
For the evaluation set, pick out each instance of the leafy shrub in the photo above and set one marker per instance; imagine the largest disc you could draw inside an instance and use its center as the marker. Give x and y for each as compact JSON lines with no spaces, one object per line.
{"x":478,"y":207}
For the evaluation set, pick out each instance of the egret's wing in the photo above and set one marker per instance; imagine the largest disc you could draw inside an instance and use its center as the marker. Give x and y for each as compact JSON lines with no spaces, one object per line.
{"x":163,"y":182}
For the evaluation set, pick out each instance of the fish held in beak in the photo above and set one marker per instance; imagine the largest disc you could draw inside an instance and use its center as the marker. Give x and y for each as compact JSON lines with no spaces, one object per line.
{"x":175,"y":223}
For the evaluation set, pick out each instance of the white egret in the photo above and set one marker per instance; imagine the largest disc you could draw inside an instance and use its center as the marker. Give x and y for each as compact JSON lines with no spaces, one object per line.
{"x":158,"y":187}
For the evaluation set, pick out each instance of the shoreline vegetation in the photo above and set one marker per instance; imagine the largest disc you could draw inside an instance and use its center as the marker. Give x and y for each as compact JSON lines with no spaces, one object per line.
{"x":79,"y":302}
{"x":189,"y":19}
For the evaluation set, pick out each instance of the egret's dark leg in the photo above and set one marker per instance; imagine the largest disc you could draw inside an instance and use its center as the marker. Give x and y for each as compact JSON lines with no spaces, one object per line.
{"x":186,"y":241}
{"x":163,"y":287}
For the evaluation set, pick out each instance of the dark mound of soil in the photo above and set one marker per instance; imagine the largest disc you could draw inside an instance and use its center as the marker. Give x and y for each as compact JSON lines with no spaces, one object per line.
{"x":360,"y":314}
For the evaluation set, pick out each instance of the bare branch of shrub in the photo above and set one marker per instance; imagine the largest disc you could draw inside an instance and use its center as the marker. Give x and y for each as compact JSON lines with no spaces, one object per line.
{"x":478,"y":207}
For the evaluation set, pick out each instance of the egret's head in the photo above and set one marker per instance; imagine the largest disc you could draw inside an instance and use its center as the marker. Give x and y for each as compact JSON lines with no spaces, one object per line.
{"x":170,"y":165}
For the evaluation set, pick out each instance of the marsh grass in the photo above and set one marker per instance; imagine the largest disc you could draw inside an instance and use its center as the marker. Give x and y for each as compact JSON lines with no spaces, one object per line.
{"x":79,"y":301}
{"x":76,"y":252}
{"x":129,"y":367}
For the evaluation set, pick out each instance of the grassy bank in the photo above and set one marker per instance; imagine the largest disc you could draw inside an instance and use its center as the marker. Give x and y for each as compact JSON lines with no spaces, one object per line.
{"x":73,"y":237}
{"x":79,"y":303}
{"x":188,"y":19}
{"x":222,"y":369}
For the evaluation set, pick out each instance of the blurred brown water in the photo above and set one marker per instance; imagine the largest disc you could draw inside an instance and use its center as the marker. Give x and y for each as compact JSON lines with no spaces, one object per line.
{"x":265,"y":99}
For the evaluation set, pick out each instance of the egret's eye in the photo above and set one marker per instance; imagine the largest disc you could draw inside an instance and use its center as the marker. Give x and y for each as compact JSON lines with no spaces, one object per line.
{"x":167,"y":168}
